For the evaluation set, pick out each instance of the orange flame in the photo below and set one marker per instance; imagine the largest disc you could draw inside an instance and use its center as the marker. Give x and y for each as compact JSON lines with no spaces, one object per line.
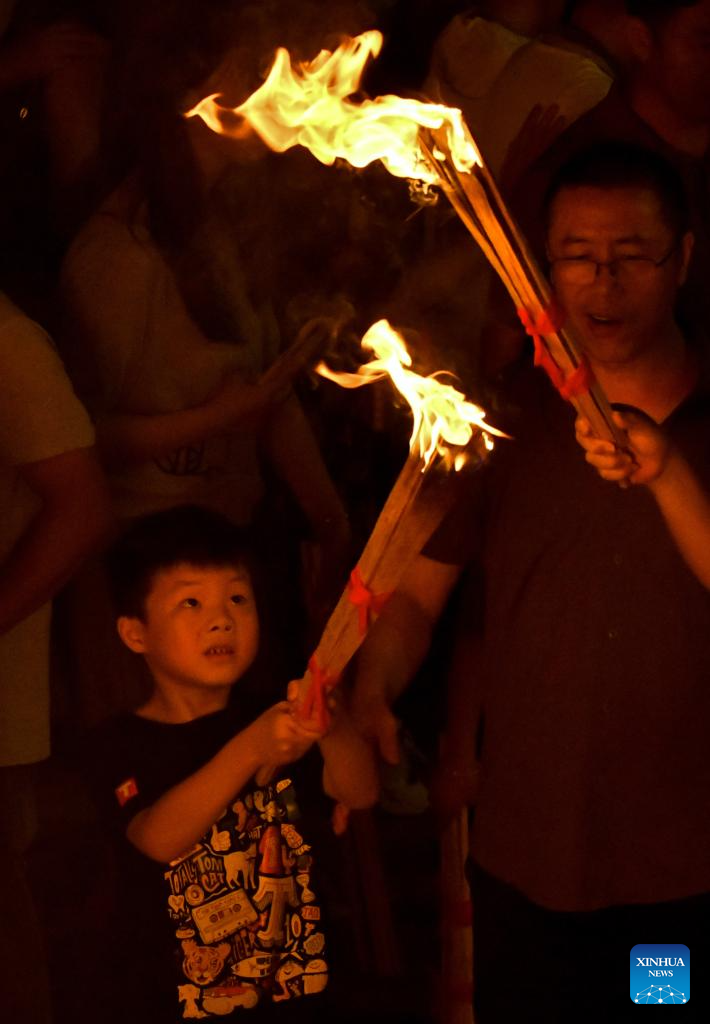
{"x":442,"y":415}
{"x":309,"y":105}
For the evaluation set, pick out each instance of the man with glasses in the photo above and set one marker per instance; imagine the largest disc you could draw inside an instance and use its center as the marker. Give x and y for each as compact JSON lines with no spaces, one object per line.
{"x":619,"y":248}
{"x":661,"y":100}
{"x":582,"y":686}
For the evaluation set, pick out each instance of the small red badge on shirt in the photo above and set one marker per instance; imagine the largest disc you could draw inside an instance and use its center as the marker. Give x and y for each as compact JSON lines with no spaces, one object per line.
{"x":126,"y":791}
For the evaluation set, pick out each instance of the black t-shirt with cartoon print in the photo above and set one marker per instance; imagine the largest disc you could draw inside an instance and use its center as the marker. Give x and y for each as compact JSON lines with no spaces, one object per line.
{"x":232,"y":927}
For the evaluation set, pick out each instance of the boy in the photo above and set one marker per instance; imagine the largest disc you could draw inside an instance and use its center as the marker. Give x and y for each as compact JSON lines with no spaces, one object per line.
{"x":240,"y":925}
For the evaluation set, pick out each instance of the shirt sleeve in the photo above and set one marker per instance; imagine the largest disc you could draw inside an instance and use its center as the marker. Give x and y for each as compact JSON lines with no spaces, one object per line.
{"x":111,"y":759}
{"x":40,"y":416}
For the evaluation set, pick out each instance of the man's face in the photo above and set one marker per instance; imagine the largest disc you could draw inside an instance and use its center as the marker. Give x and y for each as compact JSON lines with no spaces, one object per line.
{"x":201,"y":628}
{"x":679,"y":60}
{"x":624,"y":310}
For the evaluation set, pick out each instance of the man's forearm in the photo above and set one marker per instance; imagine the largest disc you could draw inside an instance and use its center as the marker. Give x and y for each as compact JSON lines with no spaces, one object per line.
{"x":349,"y":769}
{"x":685,"y":506}
{"x":394,"y":650}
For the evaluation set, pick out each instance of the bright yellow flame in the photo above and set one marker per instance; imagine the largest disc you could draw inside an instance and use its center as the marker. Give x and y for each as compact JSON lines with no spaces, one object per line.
{"x":309,"y":105}
{"x":442,"y":415}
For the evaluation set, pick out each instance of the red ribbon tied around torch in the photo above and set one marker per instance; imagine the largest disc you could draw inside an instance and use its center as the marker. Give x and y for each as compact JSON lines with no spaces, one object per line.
{"x":364,"y":600}
{"x":549,"y":321}
{"x":313,"y":705}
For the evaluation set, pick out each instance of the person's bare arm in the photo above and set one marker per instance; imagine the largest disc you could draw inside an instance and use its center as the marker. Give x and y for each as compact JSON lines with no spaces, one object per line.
{"x":184,"y":813}
{"x":132,"y":437}
{"x":396,"y":647}
{"x":296,"y":457}
{"x":652,"y":460}
{"x":349,"y":767}
{"x":295,"y":454}
{"x":124,"y":438}
{"x":686,"y":508}
{"x":72,"y":520}
{"x":117,"y":290}
{"x":536,"y":134}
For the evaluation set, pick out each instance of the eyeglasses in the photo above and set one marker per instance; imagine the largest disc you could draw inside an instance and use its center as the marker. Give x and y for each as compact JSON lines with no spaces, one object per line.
{"x":582,"y":270}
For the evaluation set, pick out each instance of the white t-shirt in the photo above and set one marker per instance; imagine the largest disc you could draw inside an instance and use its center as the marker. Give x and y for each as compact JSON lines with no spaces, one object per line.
{"x":138,"y":351}
{"x":496,"y":77}
{"x":40,"y":417}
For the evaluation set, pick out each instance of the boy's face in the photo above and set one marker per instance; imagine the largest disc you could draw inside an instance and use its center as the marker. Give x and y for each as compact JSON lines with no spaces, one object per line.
{"x":201,"y":628}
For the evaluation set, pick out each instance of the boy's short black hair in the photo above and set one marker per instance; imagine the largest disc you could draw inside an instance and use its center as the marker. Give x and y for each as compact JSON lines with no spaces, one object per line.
{"x":617,"y":164}
{"x":186,"y":534}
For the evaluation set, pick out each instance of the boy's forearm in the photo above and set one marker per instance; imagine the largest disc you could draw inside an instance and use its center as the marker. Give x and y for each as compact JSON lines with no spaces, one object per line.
{"x":184,"y":813}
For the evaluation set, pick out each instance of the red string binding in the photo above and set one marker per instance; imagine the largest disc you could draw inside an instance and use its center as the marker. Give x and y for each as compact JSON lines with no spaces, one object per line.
{"x":313,"y":705}
{"x":579,"y":381}
{"x":364,"y":600}
{"x":549,"y":321}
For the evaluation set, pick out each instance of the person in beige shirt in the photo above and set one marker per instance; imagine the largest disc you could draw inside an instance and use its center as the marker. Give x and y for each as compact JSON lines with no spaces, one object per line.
{"x":53,"y":512}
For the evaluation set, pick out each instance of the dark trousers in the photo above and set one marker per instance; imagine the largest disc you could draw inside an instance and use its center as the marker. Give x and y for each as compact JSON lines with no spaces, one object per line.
{"x":534,"y":965}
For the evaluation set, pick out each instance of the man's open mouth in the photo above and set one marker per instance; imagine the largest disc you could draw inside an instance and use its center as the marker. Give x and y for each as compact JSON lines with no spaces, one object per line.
{"x":597,"y":319}
{"x":221,"y":649}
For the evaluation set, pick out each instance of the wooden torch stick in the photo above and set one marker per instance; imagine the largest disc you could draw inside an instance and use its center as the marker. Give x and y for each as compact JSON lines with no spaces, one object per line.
{"x":416,"y":505}
{"x":477,"y":201}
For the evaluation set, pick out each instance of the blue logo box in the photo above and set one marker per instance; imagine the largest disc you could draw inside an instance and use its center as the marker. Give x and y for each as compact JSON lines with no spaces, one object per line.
{"x":660,"y":974}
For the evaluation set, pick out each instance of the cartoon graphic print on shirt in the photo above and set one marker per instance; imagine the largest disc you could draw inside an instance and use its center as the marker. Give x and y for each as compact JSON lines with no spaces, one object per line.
{"x":247,"y":923}
{"x":190,"y":460}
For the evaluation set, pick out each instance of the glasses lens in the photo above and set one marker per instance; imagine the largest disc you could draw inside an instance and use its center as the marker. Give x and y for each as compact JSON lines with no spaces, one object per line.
{"x":575,"y":271}
{"x":626,"y":268}
{"x":635,"y":268}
